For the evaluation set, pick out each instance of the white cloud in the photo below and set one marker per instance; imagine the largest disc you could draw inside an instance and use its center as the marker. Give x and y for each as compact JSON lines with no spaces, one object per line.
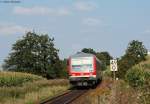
{"x":12,"y":29}
{"x":40,"y":11}
{"x":32,"y":11}
{"x":91,"y":21}
{"x":85,"y":6}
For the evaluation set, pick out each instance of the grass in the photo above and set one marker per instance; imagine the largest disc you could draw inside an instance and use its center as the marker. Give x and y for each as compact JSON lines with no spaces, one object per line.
{"x":9,"y":79}
{"x":31,"y":90}
{"x":119,"y":92}
{"x":35,"y":96}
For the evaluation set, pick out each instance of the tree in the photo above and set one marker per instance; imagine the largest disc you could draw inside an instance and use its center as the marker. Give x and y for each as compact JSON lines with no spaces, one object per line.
{"x":34,"y":54}
{"x":135,"y":53}
{"x":64,"y":68}
{"x":88,"y":50}
{"x":104,"y":57}
{"x":137,"y":50}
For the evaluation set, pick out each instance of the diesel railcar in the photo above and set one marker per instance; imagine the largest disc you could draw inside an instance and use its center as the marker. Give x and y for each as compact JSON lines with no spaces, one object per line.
{"x":84,"y":69}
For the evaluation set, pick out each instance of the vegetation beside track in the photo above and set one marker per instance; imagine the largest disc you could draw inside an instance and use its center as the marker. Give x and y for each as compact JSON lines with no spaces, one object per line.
{"x":109,"y":92}
{"x":135,"y":89}
{"x":22,"y":88}
{"x":9,"y":79}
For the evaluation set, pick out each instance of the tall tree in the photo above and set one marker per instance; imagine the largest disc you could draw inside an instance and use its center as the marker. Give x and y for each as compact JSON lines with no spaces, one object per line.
{"x":34,"y":54}
{"x":104,"y":57}
{"x":135,"y":53}
{"x":137,"y":50}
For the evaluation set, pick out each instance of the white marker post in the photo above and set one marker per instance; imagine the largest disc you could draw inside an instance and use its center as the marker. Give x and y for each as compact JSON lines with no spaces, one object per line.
{"x":113,"y":67}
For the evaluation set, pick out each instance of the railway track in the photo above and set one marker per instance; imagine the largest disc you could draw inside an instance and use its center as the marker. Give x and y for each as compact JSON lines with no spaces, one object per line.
{"x":65,"y":98}
{"x":73,"y":95}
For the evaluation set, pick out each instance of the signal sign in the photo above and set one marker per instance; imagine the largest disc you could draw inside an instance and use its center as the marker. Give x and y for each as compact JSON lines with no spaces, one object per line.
{"x":113,"y":65}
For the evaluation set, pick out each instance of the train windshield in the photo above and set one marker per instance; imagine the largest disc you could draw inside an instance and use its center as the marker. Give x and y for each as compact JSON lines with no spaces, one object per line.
{"x":83,"y":64}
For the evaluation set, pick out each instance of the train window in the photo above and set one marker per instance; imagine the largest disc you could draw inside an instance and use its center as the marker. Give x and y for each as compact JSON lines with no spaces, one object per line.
{"x":83,"y":67}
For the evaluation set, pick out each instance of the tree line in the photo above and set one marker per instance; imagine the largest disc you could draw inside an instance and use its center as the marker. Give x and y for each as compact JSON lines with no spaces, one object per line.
{"x":37,"y":54}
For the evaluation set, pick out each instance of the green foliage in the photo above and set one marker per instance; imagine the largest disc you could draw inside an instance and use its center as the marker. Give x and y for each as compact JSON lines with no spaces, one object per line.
{"x":137,"y":50}
{"x":104,"y":57}
{"x":31,"y":91}
{"x":88,"y":50}
{"x":107,"y":72}
{"x":8,"y":79}
{"x":135,"y":53}
{"x":139,"y":78}
{"x":34,"y":54}
{"x":135,"y":77}
{"x":139,"y":75}
{"x":124,"y":64}
{"x":64,"y":68}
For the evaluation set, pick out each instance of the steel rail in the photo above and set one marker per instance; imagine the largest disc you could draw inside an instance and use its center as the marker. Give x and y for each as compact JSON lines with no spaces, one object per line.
{"x":65,"y":98}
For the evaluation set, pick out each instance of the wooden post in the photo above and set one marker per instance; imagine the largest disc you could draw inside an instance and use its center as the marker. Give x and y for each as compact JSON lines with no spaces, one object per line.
{"x":114,"y":75}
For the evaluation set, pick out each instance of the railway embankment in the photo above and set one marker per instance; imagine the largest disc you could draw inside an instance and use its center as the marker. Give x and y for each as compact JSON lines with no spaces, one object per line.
{"x":23,"y":88}
{"x":134,"y":89}
{"x":109,"y":92}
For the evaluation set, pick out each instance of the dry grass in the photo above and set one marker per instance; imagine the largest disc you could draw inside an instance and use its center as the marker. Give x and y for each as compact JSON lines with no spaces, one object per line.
{"x":115,"y":93}
{"x":98,"y":95}
{"x":8,"y":79}
{"x":35,"y":97}
{"x":122,"y":93}
{"x":28,"y":91}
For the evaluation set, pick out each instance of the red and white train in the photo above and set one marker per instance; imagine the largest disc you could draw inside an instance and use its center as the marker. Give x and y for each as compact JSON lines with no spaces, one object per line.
{"x":84,"y":69}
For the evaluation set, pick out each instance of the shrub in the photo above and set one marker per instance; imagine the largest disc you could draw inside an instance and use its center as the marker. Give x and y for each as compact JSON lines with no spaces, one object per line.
{"x":139,"y":78}
{"x":135,"y":77}
{"x":107,"y":72}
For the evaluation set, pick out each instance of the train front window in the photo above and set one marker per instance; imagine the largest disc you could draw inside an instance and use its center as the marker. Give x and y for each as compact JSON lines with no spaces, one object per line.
{"x":82,"y":64}
{"x":83,"y":68}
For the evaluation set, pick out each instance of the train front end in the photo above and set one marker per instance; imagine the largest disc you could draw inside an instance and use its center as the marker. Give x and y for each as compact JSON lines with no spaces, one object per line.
{"x":82,"y":69}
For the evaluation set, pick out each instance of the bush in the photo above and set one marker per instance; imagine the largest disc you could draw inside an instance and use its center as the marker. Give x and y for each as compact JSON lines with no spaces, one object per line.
{"x":138,"y":76}
{"x":135,"y":77}
{"x":107,"y":72}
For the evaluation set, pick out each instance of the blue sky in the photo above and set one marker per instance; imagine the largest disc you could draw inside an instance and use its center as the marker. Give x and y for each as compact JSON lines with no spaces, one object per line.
{"x":104,"y":25}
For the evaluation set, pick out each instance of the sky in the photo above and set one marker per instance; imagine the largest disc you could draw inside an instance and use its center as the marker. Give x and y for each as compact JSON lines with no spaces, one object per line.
{"x":104,"y":25}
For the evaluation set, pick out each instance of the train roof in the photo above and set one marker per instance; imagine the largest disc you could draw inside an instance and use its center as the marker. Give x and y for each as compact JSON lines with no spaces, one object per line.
{"x":81,"y":54}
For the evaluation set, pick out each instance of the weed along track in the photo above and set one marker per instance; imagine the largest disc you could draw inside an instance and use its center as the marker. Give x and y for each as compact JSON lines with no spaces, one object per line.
{"x":94,"y":96}
{"x":77,"y":96}
{"x":65,"y":98}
